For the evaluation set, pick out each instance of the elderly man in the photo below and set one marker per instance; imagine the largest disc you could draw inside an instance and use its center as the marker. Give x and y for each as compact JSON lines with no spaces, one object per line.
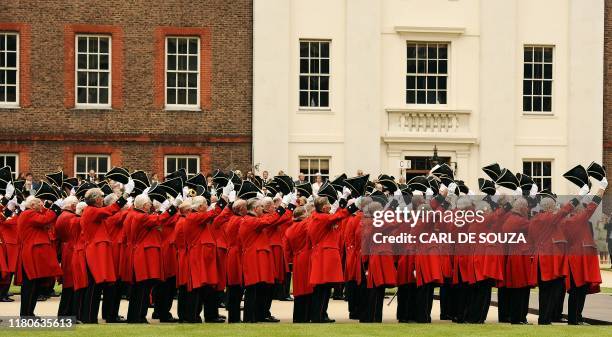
{"x":38,"y":259}
{"x":66,"y":243}
{"x":234,"y":261}
{"x":98,"y":249}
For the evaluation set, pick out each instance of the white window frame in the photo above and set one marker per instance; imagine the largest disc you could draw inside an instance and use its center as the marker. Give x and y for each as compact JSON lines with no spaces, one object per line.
{"x":16,"y":155}
{"x":87,"y":156}
{"x":552,"y":81}
{"x":307,"y":176}
{"x":541,"y":177}
{"x":78,"y":105}
{"x":187,"y":107}
{"x":177,"y":157}
{"x":427,"y":74}
{"x":319,"y":74}
{"x":17,"y":66}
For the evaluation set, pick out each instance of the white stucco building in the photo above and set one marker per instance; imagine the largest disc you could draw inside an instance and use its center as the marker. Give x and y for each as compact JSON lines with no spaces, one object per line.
{"x":341,"y":85}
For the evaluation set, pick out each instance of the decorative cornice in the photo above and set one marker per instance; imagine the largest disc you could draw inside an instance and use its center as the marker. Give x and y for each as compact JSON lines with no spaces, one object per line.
{"x":136,"y":138}
{"x":429,"y":30}
{"x":454,"y":111}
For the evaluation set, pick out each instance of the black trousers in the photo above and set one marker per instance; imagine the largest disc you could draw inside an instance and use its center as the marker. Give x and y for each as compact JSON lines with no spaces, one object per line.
{"x":66,"y":304}
{"x":374,"y":306}
{"x":445,"y":301}
{"x":320,"y":301}
{"x":111,"y":297}
{"x":189,"y":305}
{"x":301,"y":308}
{"x":287,"y":285}
{"x":139,"y":301}
{"x":30,"y":289}
{"x":575,"y":302}
{"x":406,"y":299}
{"x":256,"y":302}
{"x":208,"y":298}
{"x":479,"y":302}
{"x":519,"y":304}
{"x":548,"y":298}
{"x":266,"y":294}
{"x":234,"y":297}
{"x":352,"y":297}
{"x":503,"y":305}
{"x":338,"y":293}
{"x":77,"y":303}
{"x":424,"y":303}
{"x":163,"y":295}
{"x":91,"y":300}
{"x":560,"y":299}
{"x":5,"y":285}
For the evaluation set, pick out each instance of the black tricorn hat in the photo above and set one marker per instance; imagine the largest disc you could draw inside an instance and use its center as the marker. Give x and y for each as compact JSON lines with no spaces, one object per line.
{"x":83,"y":188}
{"x":578,"y":175}
{"x":486,"y":186}
{"x":285,"y":184}
{"x":525,"y":182}
{"x":507,"y":180}
{"x":71,"y":183}
{"x":357,"y":185}
{"x":106,"y":189}
{"x":378,"y":196}
{"x":493,"y":171}
{"x":598,"y":172}
{"x":19,"y":185}
{"x":118,"y":174}
{"x":219,"y":178}
{"x":195,"y":181}
{"x":405,"y":189}
{"x":181,"y":173}
{"x":418,"y":183}
{"x":443,"y":170}
{"x":236,"y":180}
{"x":461,"y":187}
{"x":271,"y":188}
{"x":5,"y":177}
{"x":446,"y":180}
{"x":56,"y":178}
{"x":434,"y":183}
{"x":388,"y":182}
{"x":157,"y":192}
{"x":46,"y":192}
{"x":248,"y":190}
{"x":304,"y":190}
{"x":338,"y":182}
{"x":547,"y":194}
{"x":172,"y":186}
{"x":327,"y":190}
{"x":141,"y":181}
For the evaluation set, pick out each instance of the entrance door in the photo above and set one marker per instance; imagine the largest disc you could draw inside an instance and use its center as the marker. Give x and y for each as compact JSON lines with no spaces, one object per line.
{"x":421,"y":165}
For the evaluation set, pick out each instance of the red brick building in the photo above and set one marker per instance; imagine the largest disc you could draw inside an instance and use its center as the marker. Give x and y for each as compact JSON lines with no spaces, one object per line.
{"x":151,"y":85}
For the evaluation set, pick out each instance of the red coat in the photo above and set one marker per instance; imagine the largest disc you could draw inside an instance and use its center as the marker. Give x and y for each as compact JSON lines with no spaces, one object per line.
{"x":37,"y":256}
{"x":78,"y":263}
{"x":276,"y":235}
{"x":201,"y":248}
{"x":98,"y":249}
{"x":257,"y":260}
{"x":546,"y":236}
{"x":183,"y":272}
{"x":298,"y":249}
{"x":114,"y":227}
{"x":220,"y":240}
{"x":144,"y":240}
{"x":326,"y":263}
{"x":428,"y":259}
{"x":519,"y":261}
{"x":168,"y":248}
{"x":583,"y":258}
{"x":352,"y":269}
{"x":8,"y":235}
{"x":234,"y":251}
{"x":491,"y":263}
{"x":64,"y":236}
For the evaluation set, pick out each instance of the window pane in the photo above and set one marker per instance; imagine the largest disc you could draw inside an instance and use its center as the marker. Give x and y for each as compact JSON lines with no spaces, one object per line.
{"x":192,"y":81}
{"x":104,"y":45}
{"x":11,"y":77}
{"x":443,"y":52}
{"x":431,"y":97}
{"x":441,"y":97}
{"x":547,"y":88}
{"x":324,"y":99}
{"x":314,"y":49}
{"x":411,"y":51}
{"x":410,"y":97}
{"x":82,"y":45}
{"x":304,"y":66}
{"x":546,"y":104}
{"x":431,"y":82}
{"x":171,"y":96}
{"x":547,"y":183}
{"x":11,"y":94}
{"x":314,"y":66}
{"x":91,"y":164}
{"x":421,"y":82}
{"x":537,"y":71}
{"x":192,"y":166}
{"x":103,"y":96}
{"x":93,"y":45}
{"x":528,"y":55}
{"x":432,"y":52}
{"x":528,"y":71}
{"x":526,"y":87}
{"x":181,"y":80}
{"x":432,"y":68}
{"x":314,"y":83}
{"x":410,"y":82}
{"x":421,"y":97}
{"x":2,"y":93}
{"x":104,"y":62}
{"x":171,"y":165}
{"x":93,"y":62}
{"x":102,"y":164}
{"x":81,"y":95}
{"x":537,"y":103}
{"x":303,"y":49}
{"x":11,"y":162}
{"x":182,"y":62}
{"x":526,"y":103}
{"x":314,"y":99}
{"x":537,"y":169}
{"x":11,"y":60}
{"x":324,"y":83}
{"x":537,"y":55}
{"x":411,"y":66}
{"x":172,"y":47}
{"x":548,"y":71}
{"x":182,"y":46}
{"x":80,"y":161}
{"x":303,"y":98}
{"x":193,"y":46}
{"x":421,"y":66}
{"x":92,"y":95}
{"x":193,"y":63}
{"x":546,"y":171}
{"x":548,"y":55}
{"x":527,"y":168}
{"x":325,"y":66}
{"x":324,"y":49}
{"x":171,"y":59}
{"x":92,"y":79}
{"x":103,"y":79}
{"x":82,"y":61}
{"x":442,"y":67}
{"x":442,"y":82}
{"x":181,"y":96}
{"x":537,"y":87}
{"x":192,"y":96}
{"x":182,"y":163}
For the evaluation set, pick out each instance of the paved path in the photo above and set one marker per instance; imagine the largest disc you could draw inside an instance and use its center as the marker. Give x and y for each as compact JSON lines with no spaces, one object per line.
{"x":606,"y":278}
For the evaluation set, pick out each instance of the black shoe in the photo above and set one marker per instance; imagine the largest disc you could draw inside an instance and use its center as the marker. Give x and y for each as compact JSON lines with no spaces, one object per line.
{"x":286,"y":299}
{"x":215,"y":320}
{"x":329,"y":320}
{"x":222,"y":316}
{"x":54,"y":294}
{"x":445,"y":318}
{"x":155,"y":315}
{"x":271,"y":319}
{"x":42,"y":298}
{"x":6,"y":299}
{"x":583,"y":323}
{"x":116,"y":320}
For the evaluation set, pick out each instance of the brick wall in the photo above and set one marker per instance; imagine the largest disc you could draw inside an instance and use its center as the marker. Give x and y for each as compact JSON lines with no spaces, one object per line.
{"x":47,"y":128}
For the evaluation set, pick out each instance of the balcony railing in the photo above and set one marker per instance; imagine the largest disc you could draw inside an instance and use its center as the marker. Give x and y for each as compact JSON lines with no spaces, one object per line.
{"x":429,"y":123}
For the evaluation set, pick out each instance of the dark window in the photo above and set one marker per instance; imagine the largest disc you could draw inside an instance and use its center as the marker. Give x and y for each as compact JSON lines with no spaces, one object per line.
{"x":537,"y":79}
{"x":426,"y":73}
{"x":314,"y":74}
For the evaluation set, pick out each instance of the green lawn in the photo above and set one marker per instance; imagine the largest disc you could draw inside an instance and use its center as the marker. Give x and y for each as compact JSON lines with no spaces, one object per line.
{"x":339,"y":329}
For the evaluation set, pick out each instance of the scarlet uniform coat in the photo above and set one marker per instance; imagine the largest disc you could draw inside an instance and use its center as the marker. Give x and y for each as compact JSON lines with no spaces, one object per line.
{"x":37,"y":256}
{"x":221,"y":241}
{"x":234,"y":252}
{"x":183,"y":273}
{"x":64,"y":236}
{"x":98,"y":250}
{"x":79,"y":264}
{"x":297,"y":249}
{"x":325,"y":261}
{"x":201,"y":248}
{"x":8,"y":235}
{"x":583,"y":258}
{"x":276,"y":235}
{"x":257,"y":260}
{"x":168,"y":248}
{"x":114,"y":227}
{"x":352,"y":270}
{"x":381,"y":267}
{"x":519,"y":261}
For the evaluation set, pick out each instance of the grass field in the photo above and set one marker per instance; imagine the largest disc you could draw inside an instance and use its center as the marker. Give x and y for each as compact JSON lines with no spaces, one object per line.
{"x":339,"y":329}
